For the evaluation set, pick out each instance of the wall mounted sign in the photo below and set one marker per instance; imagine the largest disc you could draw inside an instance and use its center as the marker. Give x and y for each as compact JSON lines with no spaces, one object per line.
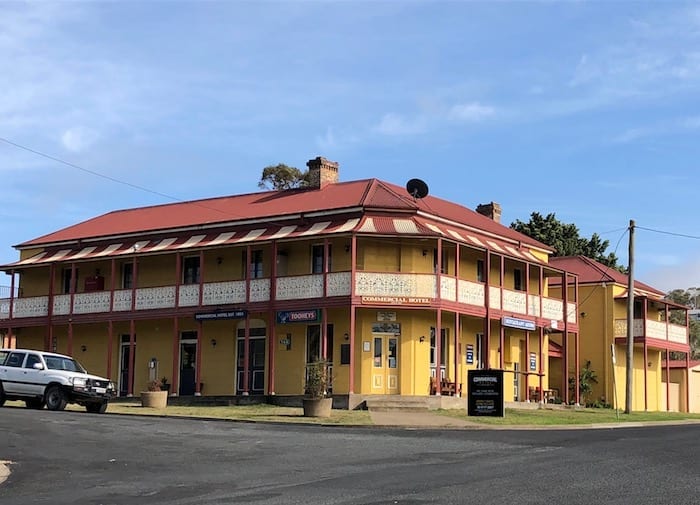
{"x":221,"y":314}
{"x":298,"y":316}
{"x":395,"y":300}
{"x":385,"y":315}
{"x":470,"y":354}
{"x":533,"y":361}
{"x":521,"y":324}
{"x":392,"y":328}
{"x":485,"y":393}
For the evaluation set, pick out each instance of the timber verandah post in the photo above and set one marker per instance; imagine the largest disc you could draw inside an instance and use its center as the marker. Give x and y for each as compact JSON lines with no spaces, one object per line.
{"x":458,"y":331}
{"x":502,"y":332}
{"x":176,"y":326}
{"x":486,"y":361}
{"x":73,"y":285}
{"x":353,"y":271}
{"x":645,"y":349}
{"x":246,"y":335}
{"x":438,"y":316}
{"x":565,"y":337}
{"x":132,"y":329}
{"x":200,"y":330}
{"x":540,"y":370}
{"x":52,"y":274}
{"x":110,"y":323}
{"x":272,"y":317}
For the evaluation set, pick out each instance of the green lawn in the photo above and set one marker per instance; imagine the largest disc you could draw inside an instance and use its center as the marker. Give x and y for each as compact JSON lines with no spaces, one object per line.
{"x":550,"y":417}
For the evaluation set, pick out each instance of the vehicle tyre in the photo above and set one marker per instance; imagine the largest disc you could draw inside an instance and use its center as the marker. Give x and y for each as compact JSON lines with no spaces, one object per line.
{"x":34,"y":403}
{"x":2,"y":395}
{"x":96,"y":408}
{"x":55,"y":398}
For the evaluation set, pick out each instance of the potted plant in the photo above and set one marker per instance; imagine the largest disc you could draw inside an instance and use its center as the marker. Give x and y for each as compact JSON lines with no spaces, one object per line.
{"x":154,"y":398}
{"x":164,"y":386}
{"x":317,"y":403}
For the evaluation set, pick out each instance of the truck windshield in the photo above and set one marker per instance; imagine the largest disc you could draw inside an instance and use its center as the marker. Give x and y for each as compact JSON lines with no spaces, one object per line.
{"x":58,"y":363}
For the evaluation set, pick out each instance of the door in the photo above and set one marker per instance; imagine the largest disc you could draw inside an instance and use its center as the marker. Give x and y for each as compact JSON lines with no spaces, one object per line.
{"x":124,"y":363}
{"x":314,"y":343}
{"x":34,"y":377}
{"x":12,"y":374}
{"x":256,"y":366}
{"x":188,"y":367}
{"x":385,"y":364}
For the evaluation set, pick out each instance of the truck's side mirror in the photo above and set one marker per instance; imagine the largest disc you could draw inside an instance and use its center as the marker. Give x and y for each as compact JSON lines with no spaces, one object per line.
{"x":38,"y":366}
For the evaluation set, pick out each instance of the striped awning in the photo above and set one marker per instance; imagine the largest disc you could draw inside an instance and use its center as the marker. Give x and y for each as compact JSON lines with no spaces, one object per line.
{"x":380,"y":225}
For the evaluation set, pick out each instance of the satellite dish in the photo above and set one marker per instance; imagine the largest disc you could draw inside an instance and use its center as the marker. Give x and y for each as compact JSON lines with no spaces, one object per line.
{"x":417,"y":188}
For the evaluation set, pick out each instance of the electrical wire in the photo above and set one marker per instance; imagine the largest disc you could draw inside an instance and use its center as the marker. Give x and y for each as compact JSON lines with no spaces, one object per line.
{"x":695,"y":237}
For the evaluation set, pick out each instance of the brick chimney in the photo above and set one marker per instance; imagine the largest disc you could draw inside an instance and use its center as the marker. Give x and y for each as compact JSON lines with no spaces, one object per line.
{"x":491,"y":210}
{"x":322,"y":172}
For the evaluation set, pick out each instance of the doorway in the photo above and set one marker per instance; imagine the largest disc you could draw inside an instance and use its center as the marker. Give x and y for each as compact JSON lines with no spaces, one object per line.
{"x":257,"y":333}
{"x":385,"y":363}
{"x":188,"y":363}
{"x":125,"y":364}
{"x":313,"y":350}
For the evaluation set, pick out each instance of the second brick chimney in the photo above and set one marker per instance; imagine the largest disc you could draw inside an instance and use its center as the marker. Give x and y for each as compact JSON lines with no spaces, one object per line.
{"x":492,"y":210}
{"x":322,"y":172}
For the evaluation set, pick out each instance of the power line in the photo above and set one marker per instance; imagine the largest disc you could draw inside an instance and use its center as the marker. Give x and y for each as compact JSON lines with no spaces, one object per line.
{"x":668,"y":233}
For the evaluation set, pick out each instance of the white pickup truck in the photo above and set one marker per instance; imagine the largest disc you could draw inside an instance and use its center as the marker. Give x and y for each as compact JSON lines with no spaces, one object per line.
{"x":44,"y":378}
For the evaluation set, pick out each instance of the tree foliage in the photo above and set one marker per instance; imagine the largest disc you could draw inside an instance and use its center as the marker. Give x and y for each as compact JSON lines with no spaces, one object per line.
{"x":690,"y":298}
{"x":281,"y":177}
{"x":565,"y":238}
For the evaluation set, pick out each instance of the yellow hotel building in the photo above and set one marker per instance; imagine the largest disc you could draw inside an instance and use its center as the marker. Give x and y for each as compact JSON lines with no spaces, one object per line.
{"x":234,"y":296}
{"x":660,"y":328}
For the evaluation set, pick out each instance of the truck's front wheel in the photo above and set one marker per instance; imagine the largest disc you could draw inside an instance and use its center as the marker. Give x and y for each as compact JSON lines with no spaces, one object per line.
{"x":96,"y":408}
{"x":55,"y":398}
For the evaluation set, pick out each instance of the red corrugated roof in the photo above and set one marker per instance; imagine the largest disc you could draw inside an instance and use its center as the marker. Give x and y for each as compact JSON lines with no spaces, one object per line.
{"x":593,"y":272}
{"x":273,"y":207}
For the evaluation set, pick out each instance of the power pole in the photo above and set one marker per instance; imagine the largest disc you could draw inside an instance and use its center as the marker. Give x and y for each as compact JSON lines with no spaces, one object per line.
{"x":630,"y":322}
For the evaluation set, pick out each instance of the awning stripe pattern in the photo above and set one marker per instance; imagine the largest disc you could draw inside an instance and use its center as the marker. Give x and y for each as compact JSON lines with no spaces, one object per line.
{"x":392,"y":225}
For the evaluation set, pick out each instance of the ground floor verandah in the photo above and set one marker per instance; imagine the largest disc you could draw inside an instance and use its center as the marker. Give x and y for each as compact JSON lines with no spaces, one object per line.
{"x":370,"y":351}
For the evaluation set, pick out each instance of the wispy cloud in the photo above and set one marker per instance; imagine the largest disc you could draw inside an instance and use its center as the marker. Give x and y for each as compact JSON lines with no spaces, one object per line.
{"x":470,"y":112}
{"x":662,"y":127}
{"x":397,"y":125}
{"x":78,"y":139}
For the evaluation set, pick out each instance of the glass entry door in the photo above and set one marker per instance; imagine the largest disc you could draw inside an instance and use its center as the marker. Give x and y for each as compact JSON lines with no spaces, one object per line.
{"x":124,"y":365}
{"x":256,"y":366}
{"x":385,"y":364}
{"x":188,"y":367}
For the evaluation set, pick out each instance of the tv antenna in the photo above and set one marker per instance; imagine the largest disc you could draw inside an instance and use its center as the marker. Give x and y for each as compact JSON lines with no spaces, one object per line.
{"x":417,"y":188}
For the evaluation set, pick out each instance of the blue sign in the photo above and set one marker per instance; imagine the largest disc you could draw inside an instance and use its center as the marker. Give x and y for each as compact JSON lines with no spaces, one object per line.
{"x":470,"y":354}
{"x":298,"y":316}
{"x":521,"y":324}
{"x":533,"y":361}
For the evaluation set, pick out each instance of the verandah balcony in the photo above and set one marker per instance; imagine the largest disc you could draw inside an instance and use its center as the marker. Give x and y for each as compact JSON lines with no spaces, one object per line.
{"x":367,"y":284}
{"x":658,"y":330}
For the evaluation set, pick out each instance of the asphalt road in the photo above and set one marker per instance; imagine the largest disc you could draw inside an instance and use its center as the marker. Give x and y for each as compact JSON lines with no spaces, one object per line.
{"x":79,"y":458}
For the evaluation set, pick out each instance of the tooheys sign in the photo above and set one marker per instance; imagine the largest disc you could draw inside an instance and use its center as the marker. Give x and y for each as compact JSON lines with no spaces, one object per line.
{"x":297,"y":316}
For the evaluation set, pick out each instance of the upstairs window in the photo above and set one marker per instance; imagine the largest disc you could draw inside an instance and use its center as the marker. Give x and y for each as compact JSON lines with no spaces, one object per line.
{"x":256,"y":264}
{"x":127,"y":275}
{"x":66,"y":278}
{"x":518,"y":279}
{"x":190,"y":270}
{"x":317,"y":259}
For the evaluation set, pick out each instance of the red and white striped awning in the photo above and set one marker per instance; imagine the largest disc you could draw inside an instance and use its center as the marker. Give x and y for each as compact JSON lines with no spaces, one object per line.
{"x":382,"y":225}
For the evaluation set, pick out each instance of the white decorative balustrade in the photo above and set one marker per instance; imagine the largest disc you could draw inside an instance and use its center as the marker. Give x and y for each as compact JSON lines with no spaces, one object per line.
{"x":515,"y":301}
{"x":298,"y":288}
{"x":395,"y":284}
{"x":472,"y":293}
{"x":658,"y":330}
{"x":448,"y":288}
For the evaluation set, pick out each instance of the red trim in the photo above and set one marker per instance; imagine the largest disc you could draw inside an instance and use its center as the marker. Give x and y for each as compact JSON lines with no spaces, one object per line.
{"x":353,"y":271}
{"x":132,"y":356}
{"x":110,"y":344}
{"x":176,"y":356}
{"x":655,"y":344}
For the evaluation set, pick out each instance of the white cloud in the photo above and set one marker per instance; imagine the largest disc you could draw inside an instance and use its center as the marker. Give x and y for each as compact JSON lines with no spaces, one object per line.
{"x":78,"y":139}
{"x":470,"y":112}
{"x":396,"y":125}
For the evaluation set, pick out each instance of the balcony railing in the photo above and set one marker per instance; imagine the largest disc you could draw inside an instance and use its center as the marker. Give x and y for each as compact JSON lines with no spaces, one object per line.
{"x":658,"y":330}
{"x":302,"y":287}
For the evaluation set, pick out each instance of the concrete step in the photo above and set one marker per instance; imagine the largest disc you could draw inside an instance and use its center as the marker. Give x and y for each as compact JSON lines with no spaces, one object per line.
{"x":390,"y":404}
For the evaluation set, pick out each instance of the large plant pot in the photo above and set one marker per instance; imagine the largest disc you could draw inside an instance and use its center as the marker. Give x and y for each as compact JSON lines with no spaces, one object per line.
{"x":154,"y":399}
{"x":317,"y":407}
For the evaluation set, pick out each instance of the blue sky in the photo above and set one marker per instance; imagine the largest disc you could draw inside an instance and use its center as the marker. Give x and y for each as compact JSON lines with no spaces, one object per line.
{"x":589,"y":110}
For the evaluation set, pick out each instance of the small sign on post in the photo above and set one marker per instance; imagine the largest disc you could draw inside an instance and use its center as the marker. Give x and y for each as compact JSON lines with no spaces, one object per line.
{"x":485,"y":390}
